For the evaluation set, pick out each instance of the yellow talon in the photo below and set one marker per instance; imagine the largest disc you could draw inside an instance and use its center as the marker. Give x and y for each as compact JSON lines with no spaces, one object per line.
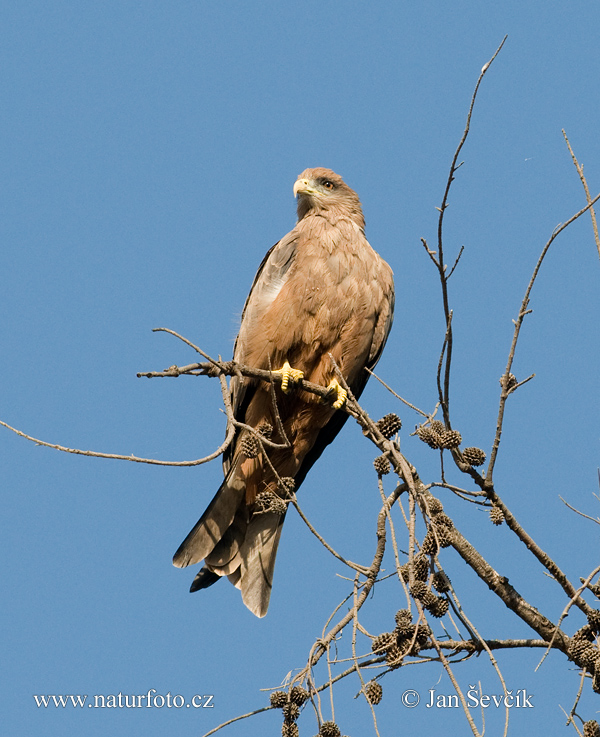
{"x":289,"y":376}
{"x":340,"y":394}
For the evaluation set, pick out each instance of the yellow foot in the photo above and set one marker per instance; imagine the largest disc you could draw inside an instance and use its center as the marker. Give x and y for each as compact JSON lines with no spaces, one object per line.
{"x":289,"y":376}
{"x":334,"y":390}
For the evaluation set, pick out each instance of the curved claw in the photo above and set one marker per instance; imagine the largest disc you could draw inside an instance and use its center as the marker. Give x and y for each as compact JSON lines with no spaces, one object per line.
{"x":338,"y":392}
{"x":289,"y":376}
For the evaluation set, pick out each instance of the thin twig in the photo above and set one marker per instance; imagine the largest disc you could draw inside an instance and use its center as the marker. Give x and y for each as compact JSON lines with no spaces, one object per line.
{"x":574,"y":708}
{"x":391,"y":391}
{"x":456,"y":686}
{"x":460,"y":253}
{"x":445,"y":396}
{"x":355,"y":566}
{"x":320,"y":648}
{"x":237,"y":719}
{"x":587,"y":516}
{"x":493,"y":661}
{"x":518,"y":323}
{"x":579,"y":168}
{"x":392,"y":528}
{"x":565,"y":611}
{"x":549,"y":564}
{"x":187,"y":342}
{"x":212,"y":369}
{"x":355,"y":626}
{"x":115,"y":456}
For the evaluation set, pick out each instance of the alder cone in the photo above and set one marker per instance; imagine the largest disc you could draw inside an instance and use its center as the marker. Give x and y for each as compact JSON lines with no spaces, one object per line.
{"x":374,"y":692}
{"x":421,"y":567}
{"x":382,"y":465}
{"x":383,"y":642}
{"x":441,"y":582}
{"x":402,"y":617}
{"x":429,"y":546}
{"x":581,"y":651}
{"x":250,"y":446}
{"x":329,"y":729}
{"x":298,"y":695}
{"x":429,"y":436}
{"x":496,"y":515}
{"x":278,"y":699}
{"x":439,"y":607}
{"x":434,"y":505}
{"x":291,"y":712}
{"x":450,"y":439}
{"x":290,"y":729}
{"x":389,"y":425}
{"x":591,"y":729}
{"x":265,"y":429}
{"x":393,"y":655}
{"x":474,"y":456}
{"x":438,"y":427}
{"x":594,"y":620}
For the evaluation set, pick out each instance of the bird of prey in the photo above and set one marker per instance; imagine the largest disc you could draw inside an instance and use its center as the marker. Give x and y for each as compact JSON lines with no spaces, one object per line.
{"x":321,"y":290}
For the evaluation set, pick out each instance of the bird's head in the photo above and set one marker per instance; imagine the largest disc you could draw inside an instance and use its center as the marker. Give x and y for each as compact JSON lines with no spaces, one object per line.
{"x":321,"y":190}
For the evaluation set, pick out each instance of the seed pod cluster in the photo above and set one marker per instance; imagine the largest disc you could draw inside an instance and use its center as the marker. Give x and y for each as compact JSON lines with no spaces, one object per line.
{"x":406,"y":639}
{"x":290,"y":705}
{"x":437,"y":435}
{"x":420,"y":568}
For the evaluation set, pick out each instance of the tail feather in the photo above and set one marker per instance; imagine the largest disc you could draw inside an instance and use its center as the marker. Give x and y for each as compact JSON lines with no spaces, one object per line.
{"x":258,"y":561}
{"x":236,"y":578}
{"x":213,"y":524}
{"x":225,"y":558}
{"x":233,"y":543}
{"x":204,"y":579}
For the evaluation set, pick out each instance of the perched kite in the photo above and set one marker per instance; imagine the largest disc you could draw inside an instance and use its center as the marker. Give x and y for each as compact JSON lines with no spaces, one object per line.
{"x":321,"y":290}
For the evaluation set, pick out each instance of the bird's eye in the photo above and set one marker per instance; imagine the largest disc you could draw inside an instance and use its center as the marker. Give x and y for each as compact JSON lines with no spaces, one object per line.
{"x":327,"y":184}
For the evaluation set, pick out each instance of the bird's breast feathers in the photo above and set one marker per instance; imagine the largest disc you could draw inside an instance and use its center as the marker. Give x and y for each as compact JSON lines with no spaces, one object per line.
{"x":321,"y":278}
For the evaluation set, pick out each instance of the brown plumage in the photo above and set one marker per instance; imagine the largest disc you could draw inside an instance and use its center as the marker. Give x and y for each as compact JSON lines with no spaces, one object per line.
{"x":322,"y":289}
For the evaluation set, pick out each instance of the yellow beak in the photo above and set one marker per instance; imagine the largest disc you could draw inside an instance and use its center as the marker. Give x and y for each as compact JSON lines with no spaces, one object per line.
{"x":303,"y":186}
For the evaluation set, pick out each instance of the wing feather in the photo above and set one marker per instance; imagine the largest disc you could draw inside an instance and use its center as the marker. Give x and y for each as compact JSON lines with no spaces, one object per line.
{"x":268,"y":281}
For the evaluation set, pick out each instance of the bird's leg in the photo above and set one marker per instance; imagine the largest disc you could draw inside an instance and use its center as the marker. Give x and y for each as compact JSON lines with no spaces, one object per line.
{"x":337,"y":393}
{"x":289,"y":376}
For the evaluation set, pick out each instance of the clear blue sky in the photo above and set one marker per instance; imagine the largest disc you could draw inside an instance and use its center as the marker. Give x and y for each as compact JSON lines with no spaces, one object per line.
{"x":148,"y":152}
